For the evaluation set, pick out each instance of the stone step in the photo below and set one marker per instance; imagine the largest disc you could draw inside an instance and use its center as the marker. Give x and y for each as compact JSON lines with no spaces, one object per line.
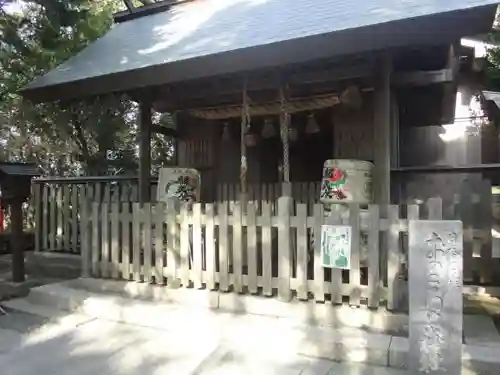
{"x":338,"y":344}
{"x":481,"y":330}
{"x":20,"y":321}
{"x":53,"y":315}
{"x":49,"y":265}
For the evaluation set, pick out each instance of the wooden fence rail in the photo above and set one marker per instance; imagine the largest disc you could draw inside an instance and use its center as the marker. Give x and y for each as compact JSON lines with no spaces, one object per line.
{"x":55,"y":203}
{"x":56,"y":210}
{"x":251,"y":249}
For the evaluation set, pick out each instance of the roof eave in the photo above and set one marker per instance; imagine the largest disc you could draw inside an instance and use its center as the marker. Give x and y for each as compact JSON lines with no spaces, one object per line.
{"x":442,"y":28}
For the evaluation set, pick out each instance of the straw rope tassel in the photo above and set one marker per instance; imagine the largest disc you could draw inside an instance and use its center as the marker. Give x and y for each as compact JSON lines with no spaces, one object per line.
{"x":245,"y":123}
{"x":284,"y":125}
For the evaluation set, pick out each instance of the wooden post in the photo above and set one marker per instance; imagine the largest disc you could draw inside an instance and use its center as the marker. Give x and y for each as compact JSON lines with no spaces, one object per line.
{"x":16,"y":240}
{"x":382,"y":133}
{"x":145,"y":123}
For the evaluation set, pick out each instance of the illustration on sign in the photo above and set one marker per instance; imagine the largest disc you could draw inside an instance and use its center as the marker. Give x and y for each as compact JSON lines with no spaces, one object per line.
{"x":180,"y":183}
{"x":336,"y":246}
{"x":333,"y":184}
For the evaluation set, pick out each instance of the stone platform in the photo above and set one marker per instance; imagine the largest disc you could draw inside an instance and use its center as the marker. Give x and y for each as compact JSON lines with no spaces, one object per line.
{"x":245,"y":327}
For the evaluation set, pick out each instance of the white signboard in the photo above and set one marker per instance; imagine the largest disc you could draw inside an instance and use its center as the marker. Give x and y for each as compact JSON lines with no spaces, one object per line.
{"x":336,"y":246}
{"x":180,"y":183}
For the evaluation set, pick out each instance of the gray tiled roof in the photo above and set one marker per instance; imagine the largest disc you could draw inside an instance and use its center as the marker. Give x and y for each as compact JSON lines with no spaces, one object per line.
{"x":209,"y":27}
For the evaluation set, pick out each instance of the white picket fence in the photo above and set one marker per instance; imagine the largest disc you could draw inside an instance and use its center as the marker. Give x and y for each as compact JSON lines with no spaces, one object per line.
{"x":254,"y":249}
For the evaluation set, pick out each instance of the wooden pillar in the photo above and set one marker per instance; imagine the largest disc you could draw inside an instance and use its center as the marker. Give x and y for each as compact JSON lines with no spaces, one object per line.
{"x":145,"y":123}
{"x":16,"y":240}
{"x":396,"y":187}
{"x":382,"y":133}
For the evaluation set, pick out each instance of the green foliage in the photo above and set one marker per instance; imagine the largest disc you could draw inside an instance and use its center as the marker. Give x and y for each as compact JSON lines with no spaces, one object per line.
{"x":63,"y":139}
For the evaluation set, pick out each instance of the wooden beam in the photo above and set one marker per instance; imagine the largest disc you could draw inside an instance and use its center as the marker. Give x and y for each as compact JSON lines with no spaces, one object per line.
{"x":175,"y":97}
{"x":382,"y":133}
{"x":226,"y":92}
{"x":423,"y":78}
{"x":145,"y":125}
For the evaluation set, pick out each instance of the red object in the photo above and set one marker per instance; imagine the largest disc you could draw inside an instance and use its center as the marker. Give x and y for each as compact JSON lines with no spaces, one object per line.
{"x":337,"y":175}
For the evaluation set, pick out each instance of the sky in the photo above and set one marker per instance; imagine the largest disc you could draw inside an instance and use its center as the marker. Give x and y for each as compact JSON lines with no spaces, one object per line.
{"x":15,"y":6}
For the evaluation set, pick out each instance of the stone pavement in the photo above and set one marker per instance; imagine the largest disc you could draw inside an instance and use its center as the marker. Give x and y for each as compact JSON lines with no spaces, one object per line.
{"x":65,"y":328}
{"x":97,"y":346}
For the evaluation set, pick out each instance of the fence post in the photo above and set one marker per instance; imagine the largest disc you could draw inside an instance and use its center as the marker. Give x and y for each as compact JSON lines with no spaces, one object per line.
{"x":84,"y":236}
{"x":37,"y":203}
{"x":284,"y":248}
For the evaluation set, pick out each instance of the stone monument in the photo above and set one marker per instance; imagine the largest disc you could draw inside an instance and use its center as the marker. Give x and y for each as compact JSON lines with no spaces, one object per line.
{"x":435,"y":294}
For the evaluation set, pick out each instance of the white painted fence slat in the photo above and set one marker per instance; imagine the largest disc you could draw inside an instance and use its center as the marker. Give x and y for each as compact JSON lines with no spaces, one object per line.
{"x":373,"y":256}
{"x":115,"y":239}
{"x":266,"y":249}
{"x":136,"y":241}
{"x":210,"y":246}
{"x":53,"y":218}
{"x":159,"y":219}
{"x":252,"y":248}
{"x":354,"y":272}
{"x":284,"y":248}
{"x":173,"y":253}
{"x":85,"y":235}
{"x":104,"y":239}
{"x":393,"y":257}
{"x":237,"y":249}
{"x":59,"y":245}
{"x":197,"y":246}
{"x":333,"y":218}
{"x":147,"y":244}
{"x":76,"y":206}
{"x":319,"y":274}
{"x":125,"y":226}
{"x":185,"y":246}
{"x":302,"y":254}
{"x":223,"y":246}
{"x":66,"y":214}
{"x":95,"y":239}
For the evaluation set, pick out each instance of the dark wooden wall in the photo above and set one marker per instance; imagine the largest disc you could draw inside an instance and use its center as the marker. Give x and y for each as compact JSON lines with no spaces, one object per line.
{"x":344,"y":133}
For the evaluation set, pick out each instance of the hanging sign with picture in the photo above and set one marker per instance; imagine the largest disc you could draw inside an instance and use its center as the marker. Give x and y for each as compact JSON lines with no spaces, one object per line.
{"x":179,"y":183}
{"x":336,"y":246}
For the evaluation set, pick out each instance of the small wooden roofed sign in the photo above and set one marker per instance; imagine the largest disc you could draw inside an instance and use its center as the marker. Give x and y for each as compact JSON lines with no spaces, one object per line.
{"x":199,"y":39}
{"x":19,"y":169}
{"x":491,"y":100}
{"x":15,"y":179}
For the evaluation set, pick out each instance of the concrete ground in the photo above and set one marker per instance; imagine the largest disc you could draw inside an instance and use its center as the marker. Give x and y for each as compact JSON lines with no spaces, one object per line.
{"x":41,"y":268}
{"x":75,"y":344}
{"x":90,"y":326}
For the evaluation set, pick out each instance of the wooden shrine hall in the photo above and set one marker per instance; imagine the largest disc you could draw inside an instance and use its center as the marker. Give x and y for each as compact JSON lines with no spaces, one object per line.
{"x":261,"y":93}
